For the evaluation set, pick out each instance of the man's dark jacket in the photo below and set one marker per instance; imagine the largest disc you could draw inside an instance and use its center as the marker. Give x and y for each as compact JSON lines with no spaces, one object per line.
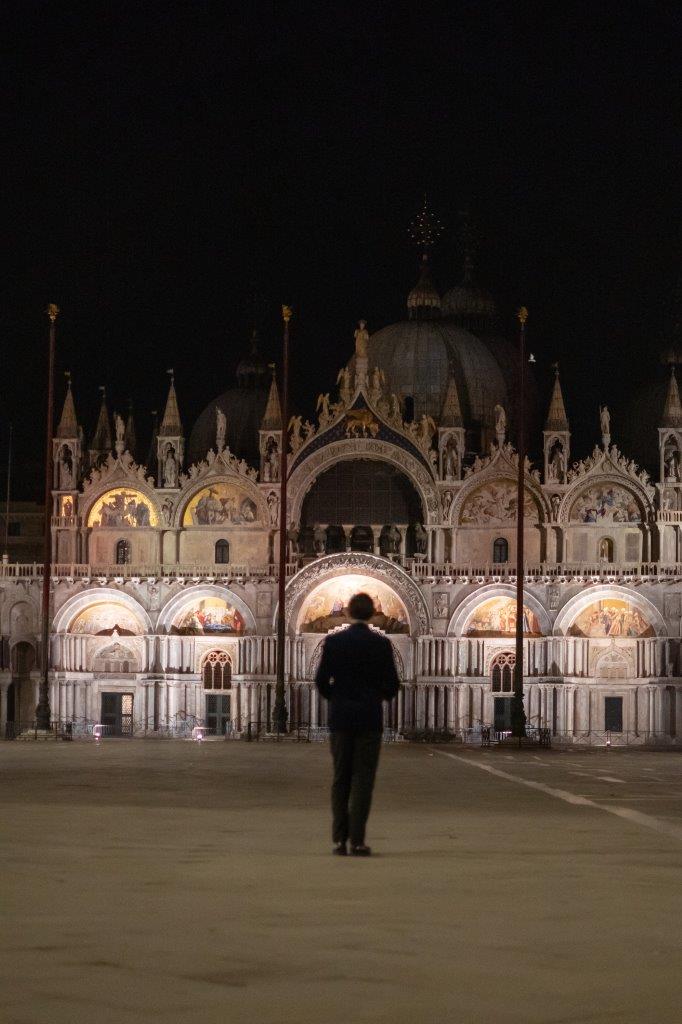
{"x":356,"y":673}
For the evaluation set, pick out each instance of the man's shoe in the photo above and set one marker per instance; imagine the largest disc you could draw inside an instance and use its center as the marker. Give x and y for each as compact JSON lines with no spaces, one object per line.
{"x":339,"y":849}
{"x":360,"y":851}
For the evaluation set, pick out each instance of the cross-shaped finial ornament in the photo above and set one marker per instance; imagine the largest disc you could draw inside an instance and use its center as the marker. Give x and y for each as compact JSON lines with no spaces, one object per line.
{"x":52,"y":311}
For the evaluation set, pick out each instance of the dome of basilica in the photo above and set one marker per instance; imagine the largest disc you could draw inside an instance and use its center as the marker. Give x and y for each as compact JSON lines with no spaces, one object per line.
{"x":418,"y":355}
{"x":243,"y":405}
{"x":468,"y":304}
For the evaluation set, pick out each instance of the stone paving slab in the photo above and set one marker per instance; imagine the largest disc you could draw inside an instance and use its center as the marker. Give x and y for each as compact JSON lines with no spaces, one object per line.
{"x":183,"y":882}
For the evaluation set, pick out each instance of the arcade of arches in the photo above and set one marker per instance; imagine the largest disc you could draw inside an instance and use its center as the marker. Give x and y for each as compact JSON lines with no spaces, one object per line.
{"x":357,"y":503}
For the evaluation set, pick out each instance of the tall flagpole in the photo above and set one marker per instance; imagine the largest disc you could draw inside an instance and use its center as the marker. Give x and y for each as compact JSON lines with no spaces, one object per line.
{"x":280,"y":709}
{"x":7,"y":497}
{"x":43,"y":708}
{"x":518,"y":714}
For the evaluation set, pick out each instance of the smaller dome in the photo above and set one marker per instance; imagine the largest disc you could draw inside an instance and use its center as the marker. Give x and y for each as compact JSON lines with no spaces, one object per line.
{"x":252,"y":370}
{"x":468,"y":304}
{"x":423,"y":300}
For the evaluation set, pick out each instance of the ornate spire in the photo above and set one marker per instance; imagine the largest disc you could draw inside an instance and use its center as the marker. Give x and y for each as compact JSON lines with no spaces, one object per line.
{"x":130,"y":438}
{"x":272,"y":417}
{"x":68,"y":424}
{"x":101,"y":440}
{"x":556,"y":414}
{"x":451,"y":415}
{"x":170,"y":424}
{"x":672,"y":410}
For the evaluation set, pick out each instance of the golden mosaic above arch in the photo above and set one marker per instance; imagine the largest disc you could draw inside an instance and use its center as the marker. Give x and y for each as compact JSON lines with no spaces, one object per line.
{"x":123,"y":508}
{"x":221,"y":504}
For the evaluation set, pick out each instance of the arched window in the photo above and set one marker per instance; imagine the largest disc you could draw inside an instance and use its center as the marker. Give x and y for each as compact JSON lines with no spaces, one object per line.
{"x":500,"y":550}
{"x":605,"y":549}
{"x":503,"y":672}
{"x":217,"y":671}
{"x":222,"y":552}
{"x":123,"y":552}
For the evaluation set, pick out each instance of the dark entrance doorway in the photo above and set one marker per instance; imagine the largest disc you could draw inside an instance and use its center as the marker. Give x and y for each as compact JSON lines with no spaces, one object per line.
{"x":613,"y":714}
{"x":503,"y":717}
{"x":117,"y":714}
{"x":217,"y":713}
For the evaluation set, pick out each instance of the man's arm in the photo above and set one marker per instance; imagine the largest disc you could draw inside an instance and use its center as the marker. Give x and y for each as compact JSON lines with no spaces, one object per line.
{"x":390,"y":684}
{"x":324,"y":672}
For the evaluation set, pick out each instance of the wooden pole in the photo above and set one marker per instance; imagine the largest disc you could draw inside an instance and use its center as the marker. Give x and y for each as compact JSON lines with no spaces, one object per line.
{"x":280,"y":709}
{"x":518,"y":712}
{"x":43,"y":707}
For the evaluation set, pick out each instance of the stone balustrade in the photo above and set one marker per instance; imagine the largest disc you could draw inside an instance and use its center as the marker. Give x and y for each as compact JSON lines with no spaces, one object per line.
{"x":420,"y":570}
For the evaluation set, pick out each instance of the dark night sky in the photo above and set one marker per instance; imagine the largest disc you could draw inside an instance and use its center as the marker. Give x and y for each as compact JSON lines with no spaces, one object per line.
{"x":165,"y":160}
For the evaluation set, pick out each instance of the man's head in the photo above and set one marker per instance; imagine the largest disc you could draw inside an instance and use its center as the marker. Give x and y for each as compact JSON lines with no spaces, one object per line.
{"x":361,"y":607}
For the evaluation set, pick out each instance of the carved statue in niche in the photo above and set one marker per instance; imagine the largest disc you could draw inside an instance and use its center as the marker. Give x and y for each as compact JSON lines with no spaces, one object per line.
{"x":392,"y":540}
{"x":65,"y":469}
{"x":447,"y":503}
{"x":271,"y":461}
{"x":450,"y":459}
{"x":361,"y":340}
{"x":273,"y":507}
{"x":555,"y":501}
{"x":221,"y":428}
{"x":167,"y":511}
{"x":556,"y":463}
{"x":319,"y":539}
{"x":420,"y":539}
{"x":672,"y":463}
{"x":500,"y":420}
{"x":605,"y":420}
{"x":440,"y":606}
{"x":170,"y":467}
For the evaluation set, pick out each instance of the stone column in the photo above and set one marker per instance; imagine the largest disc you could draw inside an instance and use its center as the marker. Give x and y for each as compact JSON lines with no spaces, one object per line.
{"x":172,"y":704}
{"x":347,"y":529}
{"x":403,"y":542}
{"x":439,"y":546}
{"x":4,"y":687}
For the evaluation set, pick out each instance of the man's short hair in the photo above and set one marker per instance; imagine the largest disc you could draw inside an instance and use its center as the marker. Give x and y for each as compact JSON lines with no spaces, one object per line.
{"x":361,"y":607}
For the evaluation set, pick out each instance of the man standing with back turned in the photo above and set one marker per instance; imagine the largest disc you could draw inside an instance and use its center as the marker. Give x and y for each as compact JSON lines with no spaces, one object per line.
{"x":356,"y":673}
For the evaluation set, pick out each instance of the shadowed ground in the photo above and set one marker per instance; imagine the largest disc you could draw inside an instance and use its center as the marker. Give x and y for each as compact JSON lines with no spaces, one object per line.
{"x":179,"y":882}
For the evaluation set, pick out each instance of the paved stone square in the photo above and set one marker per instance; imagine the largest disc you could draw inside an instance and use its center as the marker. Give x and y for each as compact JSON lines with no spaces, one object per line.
{"x":180,"y":882}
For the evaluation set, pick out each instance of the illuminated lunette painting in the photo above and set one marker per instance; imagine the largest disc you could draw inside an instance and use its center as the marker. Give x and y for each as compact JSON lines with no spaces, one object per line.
{"x":327,"y":606}
{"x":497,"y":617}
{"x":104,"y":618}
{"x":122,"y":509}
{"x":220,"y":504}
{"x":613,"y":618}
{"x":208,"y":616}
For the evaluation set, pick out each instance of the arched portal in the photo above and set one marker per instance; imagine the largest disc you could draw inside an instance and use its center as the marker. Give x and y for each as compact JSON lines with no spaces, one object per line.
{"x":359,"y":494}
{"x":21,"y":703}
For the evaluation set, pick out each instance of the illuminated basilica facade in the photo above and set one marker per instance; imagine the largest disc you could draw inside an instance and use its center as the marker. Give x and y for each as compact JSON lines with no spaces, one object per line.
{"x":164,"y":597}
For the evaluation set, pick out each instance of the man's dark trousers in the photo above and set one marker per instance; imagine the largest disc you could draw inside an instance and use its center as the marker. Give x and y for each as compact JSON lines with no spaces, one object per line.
{"x":356,"y":756}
